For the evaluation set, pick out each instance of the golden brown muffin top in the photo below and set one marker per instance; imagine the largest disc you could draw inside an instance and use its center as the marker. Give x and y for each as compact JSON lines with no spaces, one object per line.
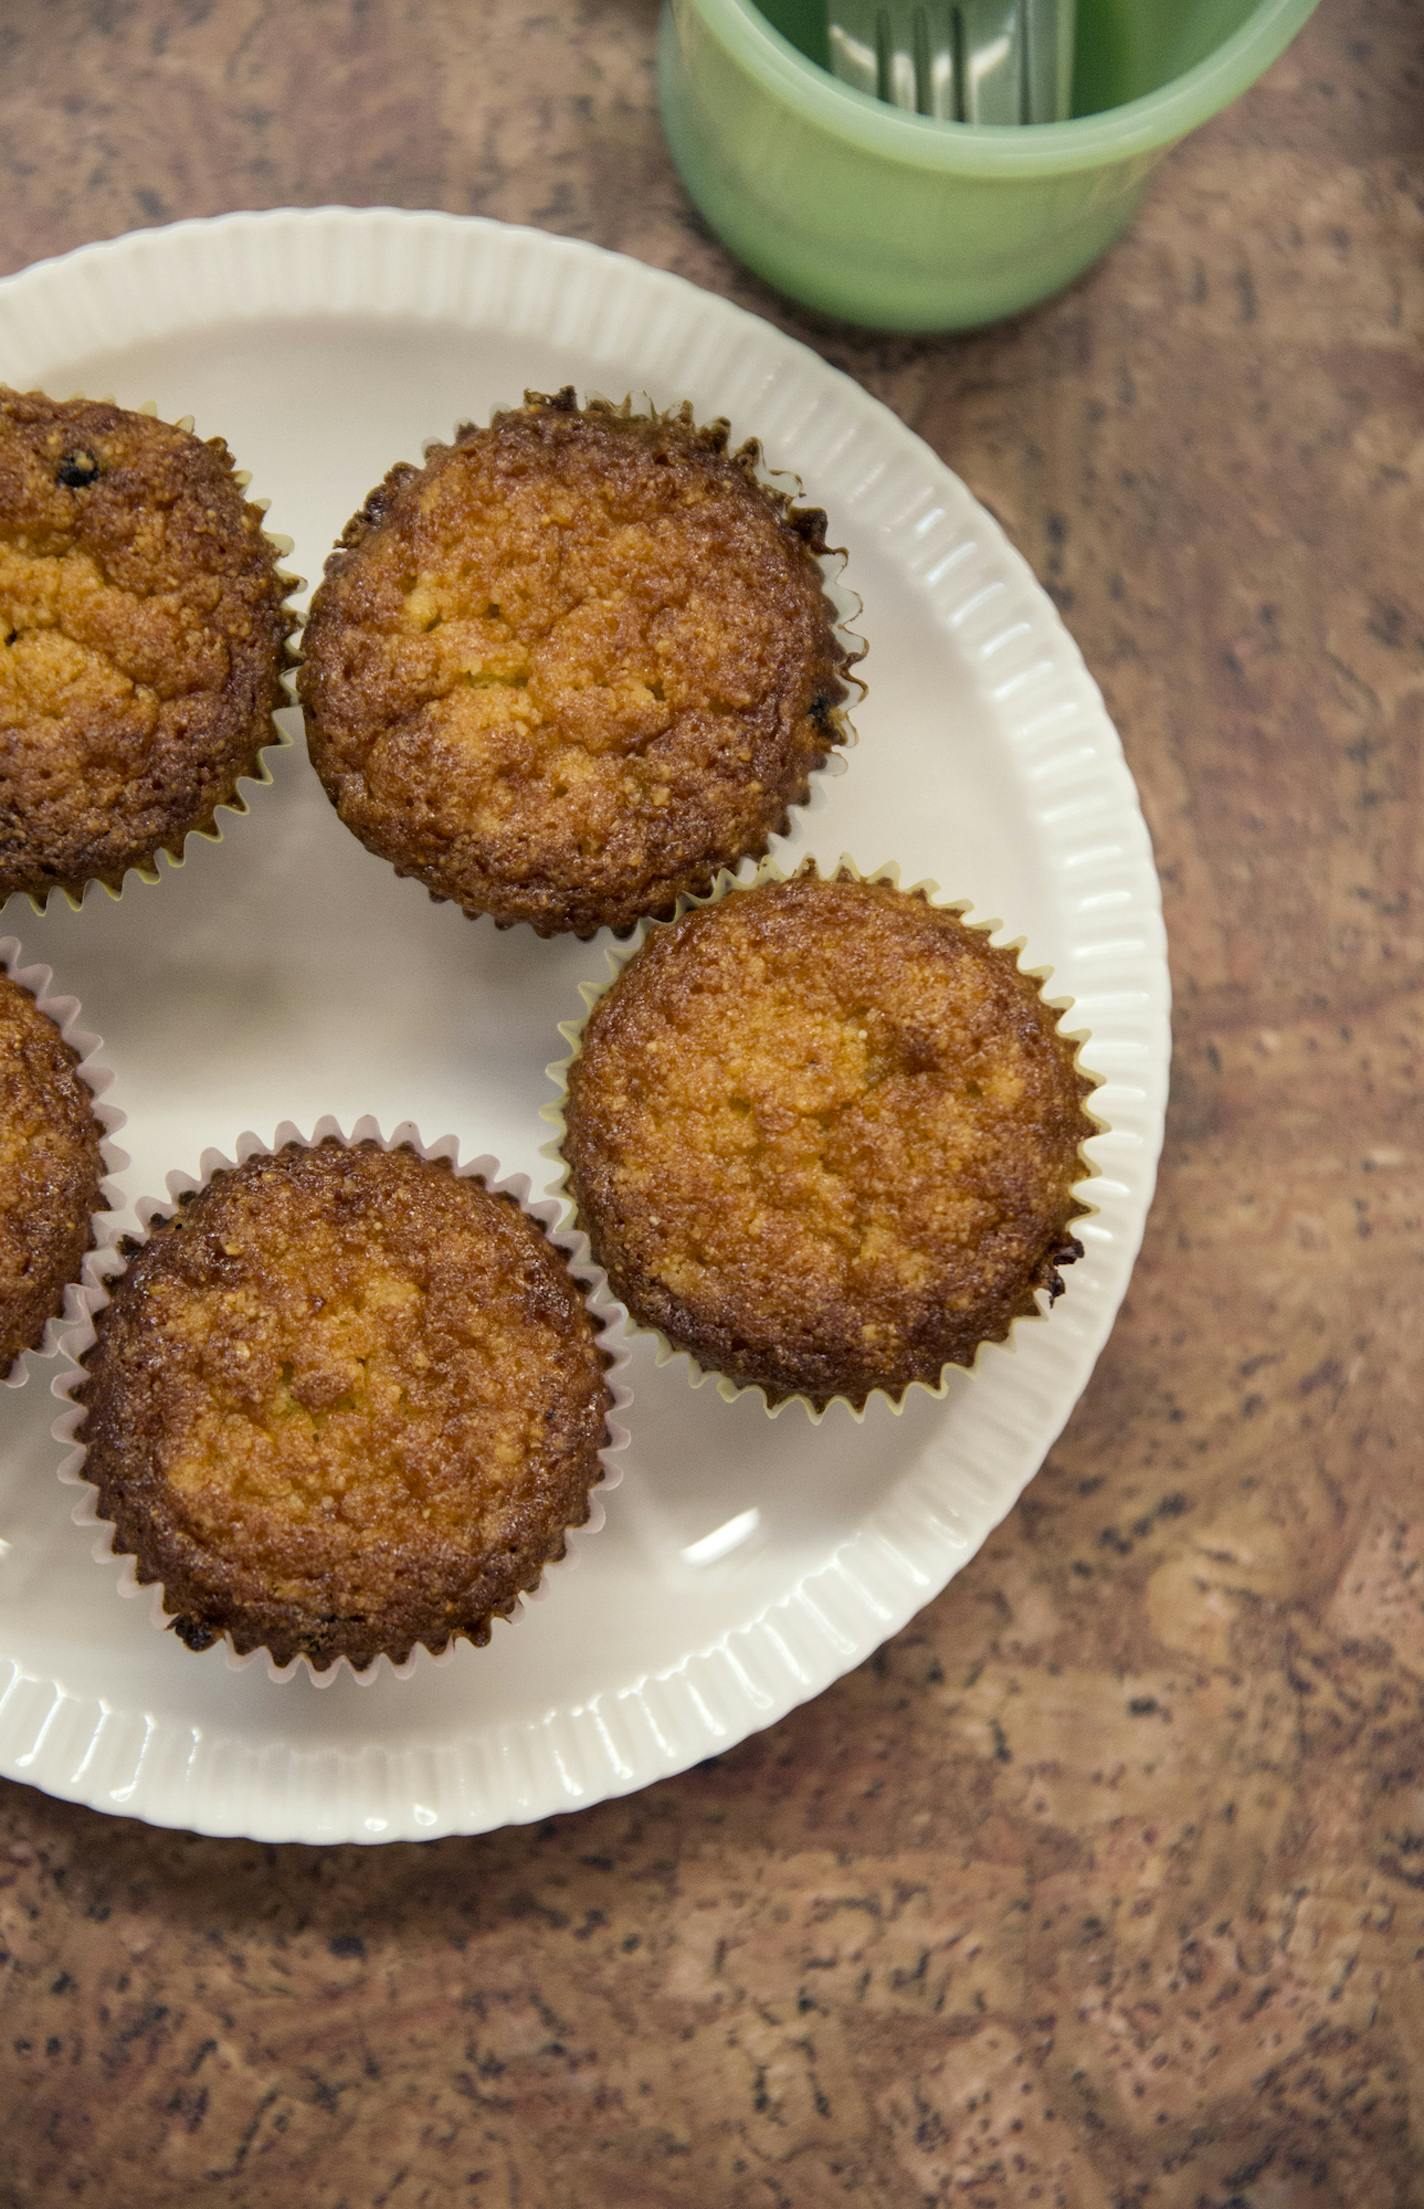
{"x":51,"y":1170}
{"x":824,"y":1135}
{"x":141,"y":637}
{"x":572,"y":665}
{"x":344,"y":1400}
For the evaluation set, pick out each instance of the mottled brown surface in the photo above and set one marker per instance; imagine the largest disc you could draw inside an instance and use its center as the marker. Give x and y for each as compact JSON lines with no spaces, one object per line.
{"x":51,"y":1169}
{"x":824,"y":1136}
{"x":141,"y":638}
{"x":1104,"y":1885}
{"x":573,"y":665}
{"x":343,"y":1401}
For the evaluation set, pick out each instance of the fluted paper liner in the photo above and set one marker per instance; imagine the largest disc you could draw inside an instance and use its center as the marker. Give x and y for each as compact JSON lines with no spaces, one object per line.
{"x":260,"y":775}
{"x":731,"y":883}
{"x":97,"y":1076}
{"x":609,"y":1320}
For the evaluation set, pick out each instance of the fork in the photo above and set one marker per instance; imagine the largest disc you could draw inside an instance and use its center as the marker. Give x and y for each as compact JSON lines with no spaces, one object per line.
{"x":960,"y":61}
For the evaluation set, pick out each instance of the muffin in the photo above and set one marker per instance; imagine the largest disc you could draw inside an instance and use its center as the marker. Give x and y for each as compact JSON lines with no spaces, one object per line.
{"x":823,"y":1135}
{"x":51,"y":1170}
{"x":142,"y":634}
{"x":574,"y":665}
{"x":343,"y":1401}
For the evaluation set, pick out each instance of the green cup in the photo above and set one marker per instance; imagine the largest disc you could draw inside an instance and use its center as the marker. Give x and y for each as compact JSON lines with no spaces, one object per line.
{"x":895,"y":220}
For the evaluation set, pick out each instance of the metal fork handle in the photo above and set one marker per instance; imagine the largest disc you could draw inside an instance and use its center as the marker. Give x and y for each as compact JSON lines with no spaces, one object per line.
{"x":974,"y":61}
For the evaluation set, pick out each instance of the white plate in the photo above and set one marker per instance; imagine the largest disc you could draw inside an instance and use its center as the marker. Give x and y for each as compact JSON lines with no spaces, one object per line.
{"x":286,"y":973}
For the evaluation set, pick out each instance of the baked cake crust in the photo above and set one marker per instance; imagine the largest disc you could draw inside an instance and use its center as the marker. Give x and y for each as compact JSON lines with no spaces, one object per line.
{"x":51,"y":1170}
{"x":142,"y":636}
{"x":574,"y":664}
{"x":344,"y":1401}
{"x":824,"y":1135}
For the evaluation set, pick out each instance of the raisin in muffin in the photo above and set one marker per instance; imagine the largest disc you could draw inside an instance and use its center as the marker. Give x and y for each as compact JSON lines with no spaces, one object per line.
{"x":824,"y":1136}
{"x":51,"y":1170}
{"x":142,"y":635}
{"x":343,"y":1401}
{"x":572,"y":666}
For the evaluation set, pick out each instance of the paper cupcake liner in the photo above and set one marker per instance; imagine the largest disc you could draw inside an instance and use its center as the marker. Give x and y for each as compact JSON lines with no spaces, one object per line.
{"x":608,"y":1316}
{"x":730,"y":882}
{"x":169,"y":860}
{"x":789,"y":495}
{"x":97,"y":1076}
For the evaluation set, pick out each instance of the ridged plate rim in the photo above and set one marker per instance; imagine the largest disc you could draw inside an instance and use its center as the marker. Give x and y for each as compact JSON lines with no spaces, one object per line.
{"x":406,"y":263}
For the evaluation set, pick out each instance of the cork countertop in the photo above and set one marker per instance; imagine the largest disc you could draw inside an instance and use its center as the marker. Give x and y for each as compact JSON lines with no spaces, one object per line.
{"x":1104,"y":1883}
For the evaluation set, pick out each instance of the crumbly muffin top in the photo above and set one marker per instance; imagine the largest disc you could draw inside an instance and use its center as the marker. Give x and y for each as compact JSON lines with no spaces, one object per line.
{"x":573,"y":664}
{"x":51,"y":1170}
{"x":141,"y":637}
{"x":825,"y":1136}
{"x":344,"y":1400}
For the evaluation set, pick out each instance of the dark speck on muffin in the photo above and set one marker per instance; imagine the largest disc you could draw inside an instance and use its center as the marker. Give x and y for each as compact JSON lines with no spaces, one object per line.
{"x":77,"y":469}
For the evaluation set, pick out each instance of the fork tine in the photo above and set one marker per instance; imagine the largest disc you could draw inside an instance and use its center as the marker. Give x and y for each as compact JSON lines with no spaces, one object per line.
{"x":937,"y":57}
{"x":854,"y":38}
{"x":994,"y":60}
{"x":972,"y":61}
{"x":1048,"y":35}
{"x":899,"y":80}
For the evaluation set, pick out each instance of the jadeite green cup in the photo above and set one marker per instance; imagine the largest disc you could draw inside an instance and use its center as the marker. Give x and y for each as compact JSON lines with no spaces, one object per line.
{"x":904,"y":223}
